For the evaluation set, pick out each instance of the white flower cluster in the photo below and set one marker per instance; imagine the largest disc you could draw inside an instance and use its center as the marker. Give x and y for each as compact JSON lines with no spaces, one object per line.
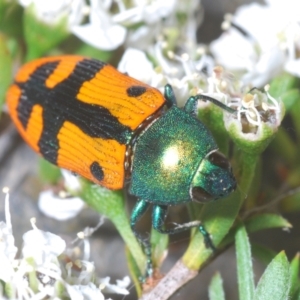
{"x":110,"y":23}
{"x":253,"y":107}
{"x":39,"y":273}
{"x":260,"y":41}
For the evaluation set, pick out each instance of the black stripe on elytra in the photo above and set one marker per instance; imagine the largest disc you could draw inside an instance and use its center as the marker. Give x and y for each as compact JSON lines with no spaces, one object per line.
{"x":136,"y":90}
{"x":97,"y":170}
{"x":60,"y":105}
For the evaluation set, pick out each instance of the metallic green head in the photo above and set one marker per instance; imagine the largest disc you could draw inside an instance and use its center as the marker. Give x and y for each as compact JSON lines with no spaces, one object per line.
{"x":175,"y":161}
{"x":213,"y":179}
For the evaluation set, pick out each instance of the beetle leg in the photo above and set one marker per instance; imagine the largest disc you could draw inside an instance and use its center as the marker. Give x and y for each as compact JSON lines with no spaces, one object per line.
{"x":191,"y":106}
{"x":159,"y":214}
{"x":169,"y":95}
{"x":138,"y":211}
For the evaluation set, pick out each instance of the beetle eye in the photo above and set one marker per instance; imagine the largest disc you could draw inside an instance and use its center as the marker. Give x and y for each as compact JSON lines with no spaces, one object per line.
{"x":218,"y":159}
{"x":200,"y":195}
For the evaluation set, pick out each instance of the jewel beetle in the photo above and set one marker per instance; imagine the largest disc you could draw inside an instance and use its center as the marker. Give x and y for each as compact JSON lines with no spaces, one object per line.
{"x":83,"y":115}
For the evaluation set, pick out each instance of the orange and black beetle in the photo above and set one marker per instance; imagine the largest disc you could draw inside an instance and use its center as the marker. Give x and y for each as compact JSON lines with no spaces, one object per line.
{"x":83,"y":115}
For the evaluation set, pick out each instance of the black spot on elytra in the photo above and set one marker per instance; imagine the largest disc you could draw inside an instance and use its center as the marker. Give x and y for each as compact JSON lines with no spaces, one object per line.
{"x":136,"y":90}
{"x":97,"y":171}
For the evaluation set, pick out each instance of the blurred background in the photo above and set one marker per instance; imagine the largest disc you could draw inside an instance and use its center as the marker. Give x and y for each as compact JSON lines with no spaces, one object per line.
{"x":19,"y":171}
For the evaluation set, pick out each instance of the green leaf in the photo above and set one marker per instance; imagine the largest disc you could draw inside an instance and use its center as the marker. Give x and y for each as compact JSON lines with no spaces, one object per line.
{"x":295,"y":285}
{"x":159,"y":244}
{"x":89,"y":51}
{"x":244,"y":265}
{"x":217,"y":218}
{"x":264,"y":254}
{"x":112,"y":205}
{"x":275,"y":281}
{"x":290,"y":98}
{"x":257,"y":223}
{"x":282,"y":83}
{"x":5,"y":67}
{"x":49,"y":173}
{"x":11,"y":14}
{"x":289,"y":152}
{"x":134,"y":271}
{"x":295,"y":117}
{"x":266,"y":221}
{"x":41,"y":37}
{"x":216,"y":290}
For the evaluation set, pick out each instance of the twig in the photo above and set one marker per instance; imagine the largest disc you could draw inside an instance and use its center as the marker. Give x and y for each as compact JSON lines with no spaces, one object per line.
{"x":178,"y":276}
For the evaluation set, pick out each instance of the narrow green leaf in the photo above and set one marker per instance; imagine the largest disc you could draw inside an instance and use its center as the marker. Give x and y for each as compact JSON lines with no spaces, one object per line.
{"x":244,"y":265}
{"x":266,"y":221}
{"x":295,"y":285}
{"x":112,"y":205}
{"x":48,"y":172}
{"x":264,"y":254}
{"x":275,"y":281}
{"x":216,"y":290}
{"x":159,"y":244}
{"x":134,"y":271}
{"x":256,"y":223}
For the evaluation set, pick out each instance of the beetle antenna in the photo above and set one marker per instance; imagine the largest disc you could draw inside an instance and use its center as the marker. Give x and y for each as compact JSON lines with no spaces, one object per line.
{"x":191,"y":104}
{"x":216,"y":102}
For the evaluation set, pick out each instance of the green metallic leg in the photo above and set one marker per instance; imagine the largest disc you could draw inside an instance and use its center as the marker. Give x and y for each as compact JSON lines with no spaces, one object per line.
{"x":159,"y":214}
{"x":169,"y":95}
{"x":138,"y":211}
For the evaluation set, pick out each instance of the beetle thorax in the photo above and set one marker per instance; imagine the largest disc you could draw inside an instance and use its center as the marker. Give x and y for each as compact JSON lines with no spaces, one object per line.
{"x":166,"y":157}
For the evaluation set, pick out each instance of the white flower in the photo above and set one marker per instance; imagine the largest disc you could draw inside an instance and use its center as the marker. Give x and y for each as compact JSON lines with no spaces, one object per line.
{"x":34,"y":276}
{"x":257,"y":108}
{"x":59,"y":206}
{"x":62,"y":206}
{"x":146,"y":11}
{"x":43,"y":247}
{"x":253,"y":110}
{"x":119,"y":288}
{"x":101,"y":32}
{"x":135,"y":63}
{"x":84,"y":292}
{"x":261,"y":40}
{"x":8,"y":250}
{"x":109,"y":26}
{"x":52,"y":12}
